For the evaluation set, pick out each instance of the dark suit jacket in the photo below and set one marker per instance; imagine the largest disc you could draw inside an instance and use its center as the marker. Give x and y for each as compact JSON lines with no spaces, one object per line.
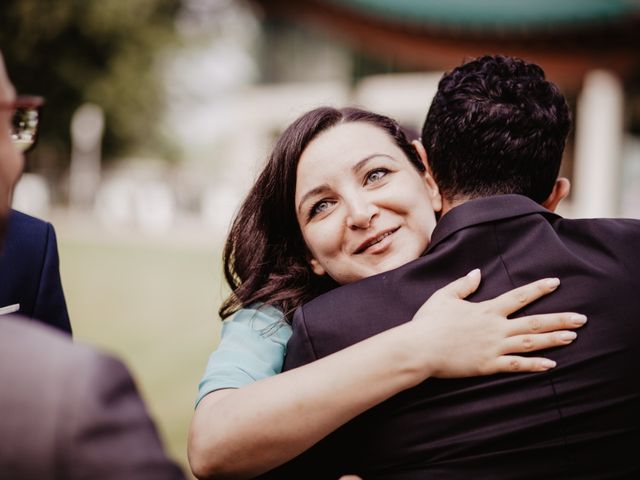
{"x":29,"y":271}
{"x":69,"y":412}
{"x":580,"y":420}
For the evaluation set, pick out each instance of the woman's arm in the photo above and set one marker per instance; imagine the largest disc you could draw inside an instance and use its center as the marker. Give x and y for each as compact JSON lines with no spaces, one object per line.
{"x":240,"y":433}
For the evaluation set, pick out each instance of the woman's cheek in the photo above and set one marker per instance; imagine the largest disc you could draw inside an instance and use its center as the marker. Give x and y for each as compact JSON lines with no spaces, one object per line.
{"x":318,"y":239}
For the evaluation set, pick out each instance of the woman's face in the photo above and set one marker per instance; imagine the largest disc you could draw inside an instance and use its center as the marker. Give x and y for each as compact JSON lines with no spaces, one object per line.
{"x":363,"y":208}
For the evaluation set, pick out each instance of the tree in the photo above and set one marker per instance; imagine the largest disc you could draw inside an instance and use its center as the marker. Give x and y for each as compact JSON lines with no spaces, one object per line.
{"x":100,"y":51}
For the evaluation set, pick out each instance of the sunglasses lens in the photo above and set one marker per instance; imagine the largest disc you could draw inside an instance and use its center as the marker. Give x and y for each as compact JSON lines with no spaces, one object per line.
{"x":24,"y":127}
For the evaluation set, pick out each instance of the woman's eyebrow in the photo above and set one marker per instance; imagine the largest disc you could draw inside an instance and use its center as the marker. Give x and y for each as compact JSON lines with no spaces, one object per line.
{"x":314,"y":191}
{"x":358,"y":166}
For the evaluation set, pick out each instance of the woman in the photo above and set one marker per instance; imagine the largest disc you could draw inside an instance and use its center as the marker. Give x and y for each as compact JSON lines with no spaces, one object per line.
{"x":343,"y":196}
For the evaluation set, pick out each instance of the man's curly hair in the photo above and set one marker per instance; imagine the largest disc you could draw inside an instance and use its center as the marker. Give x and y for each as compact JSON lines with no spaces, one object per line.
{"x":496,"y":126}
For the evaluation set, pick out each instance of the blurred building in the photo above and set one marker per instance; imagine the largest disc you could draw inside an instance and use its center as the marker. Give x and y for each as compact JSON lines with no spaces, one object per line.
{"x":588,"y":47}
{"x":231,"y":95}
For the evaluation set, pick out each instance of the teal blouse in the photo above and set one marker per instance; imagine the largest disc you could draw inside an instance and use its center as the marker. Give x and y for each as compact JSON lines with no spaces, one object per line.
{"x":252,"y":346}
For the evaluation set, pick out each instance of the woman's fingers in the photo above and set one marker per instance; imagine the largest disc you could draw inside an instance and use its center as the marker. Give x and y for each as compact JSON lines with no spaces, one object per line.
{"x":449,"y":321}
{"x":545,"y":323}
{"x":514,"y":363}
{"x":538,"y":341}
{"x":462,"y":287}
{"x":515,"y":299}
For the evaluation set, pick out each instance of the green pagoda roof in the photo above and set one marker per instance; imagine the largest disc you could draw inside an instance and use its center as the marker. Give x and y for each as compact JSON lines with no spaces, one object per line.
{"x":494,"y":14}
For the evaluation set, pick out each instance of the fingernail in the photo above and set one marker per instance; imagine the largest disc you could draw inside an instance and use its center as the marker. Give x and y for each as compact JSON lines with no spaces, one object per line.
{"x":552,"y":282}
{"x":474,"y":273}
{"x":578,"y":320}
{"x":546,"y":363}
{"x":568,"y":336}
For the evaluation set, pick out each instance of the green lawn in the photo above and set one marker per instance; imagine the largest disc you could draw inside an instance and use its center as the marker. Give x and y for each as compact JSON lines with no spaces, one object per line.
{"x":155,"y":308}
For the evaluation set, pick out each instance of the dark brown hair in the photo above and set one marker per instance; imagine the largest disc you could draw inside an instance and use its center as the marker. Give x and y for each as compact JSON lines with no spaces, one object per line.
{"x":265,"y":257}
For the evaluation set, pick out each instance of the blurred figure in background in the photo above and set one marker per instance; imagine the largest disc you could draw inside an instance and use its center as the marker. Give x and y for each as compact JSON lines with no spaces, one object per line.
{"x":67,"y":411}
{"x":29,"y":266}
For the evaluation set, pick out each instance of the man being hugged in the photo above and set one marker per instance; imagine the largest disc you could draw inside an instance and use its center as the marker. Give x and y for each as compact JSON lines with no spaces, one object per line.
{"x":493,"y":140}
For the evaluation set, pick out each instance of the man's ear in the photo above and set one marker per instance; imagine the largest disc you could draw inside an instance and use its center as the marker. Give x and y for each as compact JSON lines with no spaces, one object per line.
{"x":316,"y":267}
{"x":436,"y":198}
{"x":560,"y":190}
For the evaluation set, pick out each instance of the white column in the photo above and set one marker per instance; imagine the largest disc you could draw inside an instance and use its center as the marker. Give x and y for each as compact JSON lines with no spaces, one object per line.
{"x":87,"y":126}
{"x":598,"y":147}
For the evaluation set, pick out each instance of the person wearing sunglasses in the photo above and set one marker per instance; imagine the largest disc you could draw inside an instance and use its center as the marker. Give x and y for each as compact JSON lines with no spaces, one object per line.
{"x":29,"y":264}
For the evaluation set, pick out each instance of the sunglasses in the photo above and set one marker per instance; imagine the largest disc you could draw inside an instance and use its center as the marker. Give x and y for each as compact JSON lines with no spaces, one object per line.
{"x":24,"y":120}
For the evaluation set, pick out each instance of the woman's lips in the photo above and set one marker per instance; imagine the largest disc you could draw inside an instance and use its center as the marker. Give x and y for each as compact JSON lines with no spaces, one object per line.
{"x":377,"y":243}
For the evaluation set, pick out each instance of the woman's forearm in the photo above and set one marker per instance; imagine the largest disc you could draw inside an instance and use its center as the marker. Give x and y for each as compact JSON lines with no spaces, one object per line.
{"x":242,"y":432}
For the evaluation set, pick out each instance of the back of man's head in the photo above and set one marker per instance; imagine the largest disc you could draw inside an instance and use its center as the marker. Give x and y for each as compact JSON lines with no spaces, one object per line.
{"x":496,"y":126}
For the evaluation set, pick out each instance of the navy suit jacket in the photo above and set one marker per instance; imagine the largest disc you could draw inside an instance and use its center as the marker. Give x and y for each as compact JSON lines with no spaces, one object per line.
{"x":580,"y":420}
{"x":29,"y":271}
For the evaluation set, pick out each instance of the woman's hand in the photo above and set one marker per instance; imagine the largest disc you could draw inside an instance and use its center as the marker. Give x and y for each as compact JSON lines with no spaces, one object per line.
{"x":469,"y":339}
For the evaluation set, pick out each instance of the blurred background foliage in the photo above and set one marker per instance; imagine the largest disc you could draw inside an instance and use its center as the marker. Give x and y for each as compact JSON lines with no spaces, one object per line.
{"x":80,"y":51}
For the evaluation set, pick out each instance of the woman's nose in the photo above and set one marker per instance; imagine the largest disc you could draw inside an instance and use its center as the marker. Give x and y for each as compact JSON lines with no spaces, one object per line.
{"x":361,"y":214}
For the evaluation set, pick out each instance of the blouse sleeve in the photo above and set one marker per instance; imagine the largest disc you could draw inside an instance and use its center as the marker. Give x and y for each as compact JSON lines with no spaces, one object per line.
{"x":252,"y":346}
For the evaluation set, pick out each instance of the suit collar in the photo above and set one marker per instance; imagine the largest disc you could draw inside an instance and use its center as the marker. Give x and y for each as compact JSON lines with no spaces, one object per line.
{"x":482,"y":210}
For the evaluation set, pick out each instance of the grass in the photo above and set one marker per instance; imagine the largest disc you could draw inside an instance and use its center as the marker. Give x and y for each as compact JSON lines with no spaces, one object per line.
{"x":155,"y":308}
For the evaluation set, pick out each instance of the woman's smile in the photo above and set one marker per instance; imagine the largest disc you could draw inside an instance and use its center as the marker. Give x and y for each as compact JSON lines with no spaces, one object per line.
{"x":378,"y":243}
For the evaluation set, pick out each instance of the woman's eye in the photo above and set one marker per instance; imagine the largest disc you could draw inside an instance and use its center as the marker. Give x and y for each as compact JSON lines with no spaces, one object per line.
{"x":375,"y":175}
{"x":319,"y":207}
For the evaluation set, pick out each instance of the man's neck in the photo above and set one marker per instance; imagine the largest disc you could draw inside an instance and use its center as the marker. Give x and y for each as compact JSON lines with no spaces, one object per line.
{"x":550,"y":204}
{"x":450,"y":203}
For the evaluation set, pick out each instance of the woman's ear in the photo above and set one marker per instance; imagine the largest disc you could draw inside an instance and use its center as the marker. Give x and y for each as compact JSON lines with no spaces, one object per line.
{"x":316,"y":267}
{"x":436,"y":198}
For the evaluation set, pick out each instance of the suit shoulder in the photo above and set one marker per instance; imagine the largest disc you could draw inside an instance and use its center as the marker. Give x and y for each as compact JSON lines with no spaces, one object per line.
{"x":345,"y":305}
{"x":28,"y":238}
{"x":631,"y":223}
{"x":39,"y":347}
{"x":26,"y":229}
{"x":376,"y":287}
{"x":40,"y":354}
{"x":87,"y":409}
{"x":615,"y":229}
{"x":344,"y":294}
{"x":22,"y":219}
